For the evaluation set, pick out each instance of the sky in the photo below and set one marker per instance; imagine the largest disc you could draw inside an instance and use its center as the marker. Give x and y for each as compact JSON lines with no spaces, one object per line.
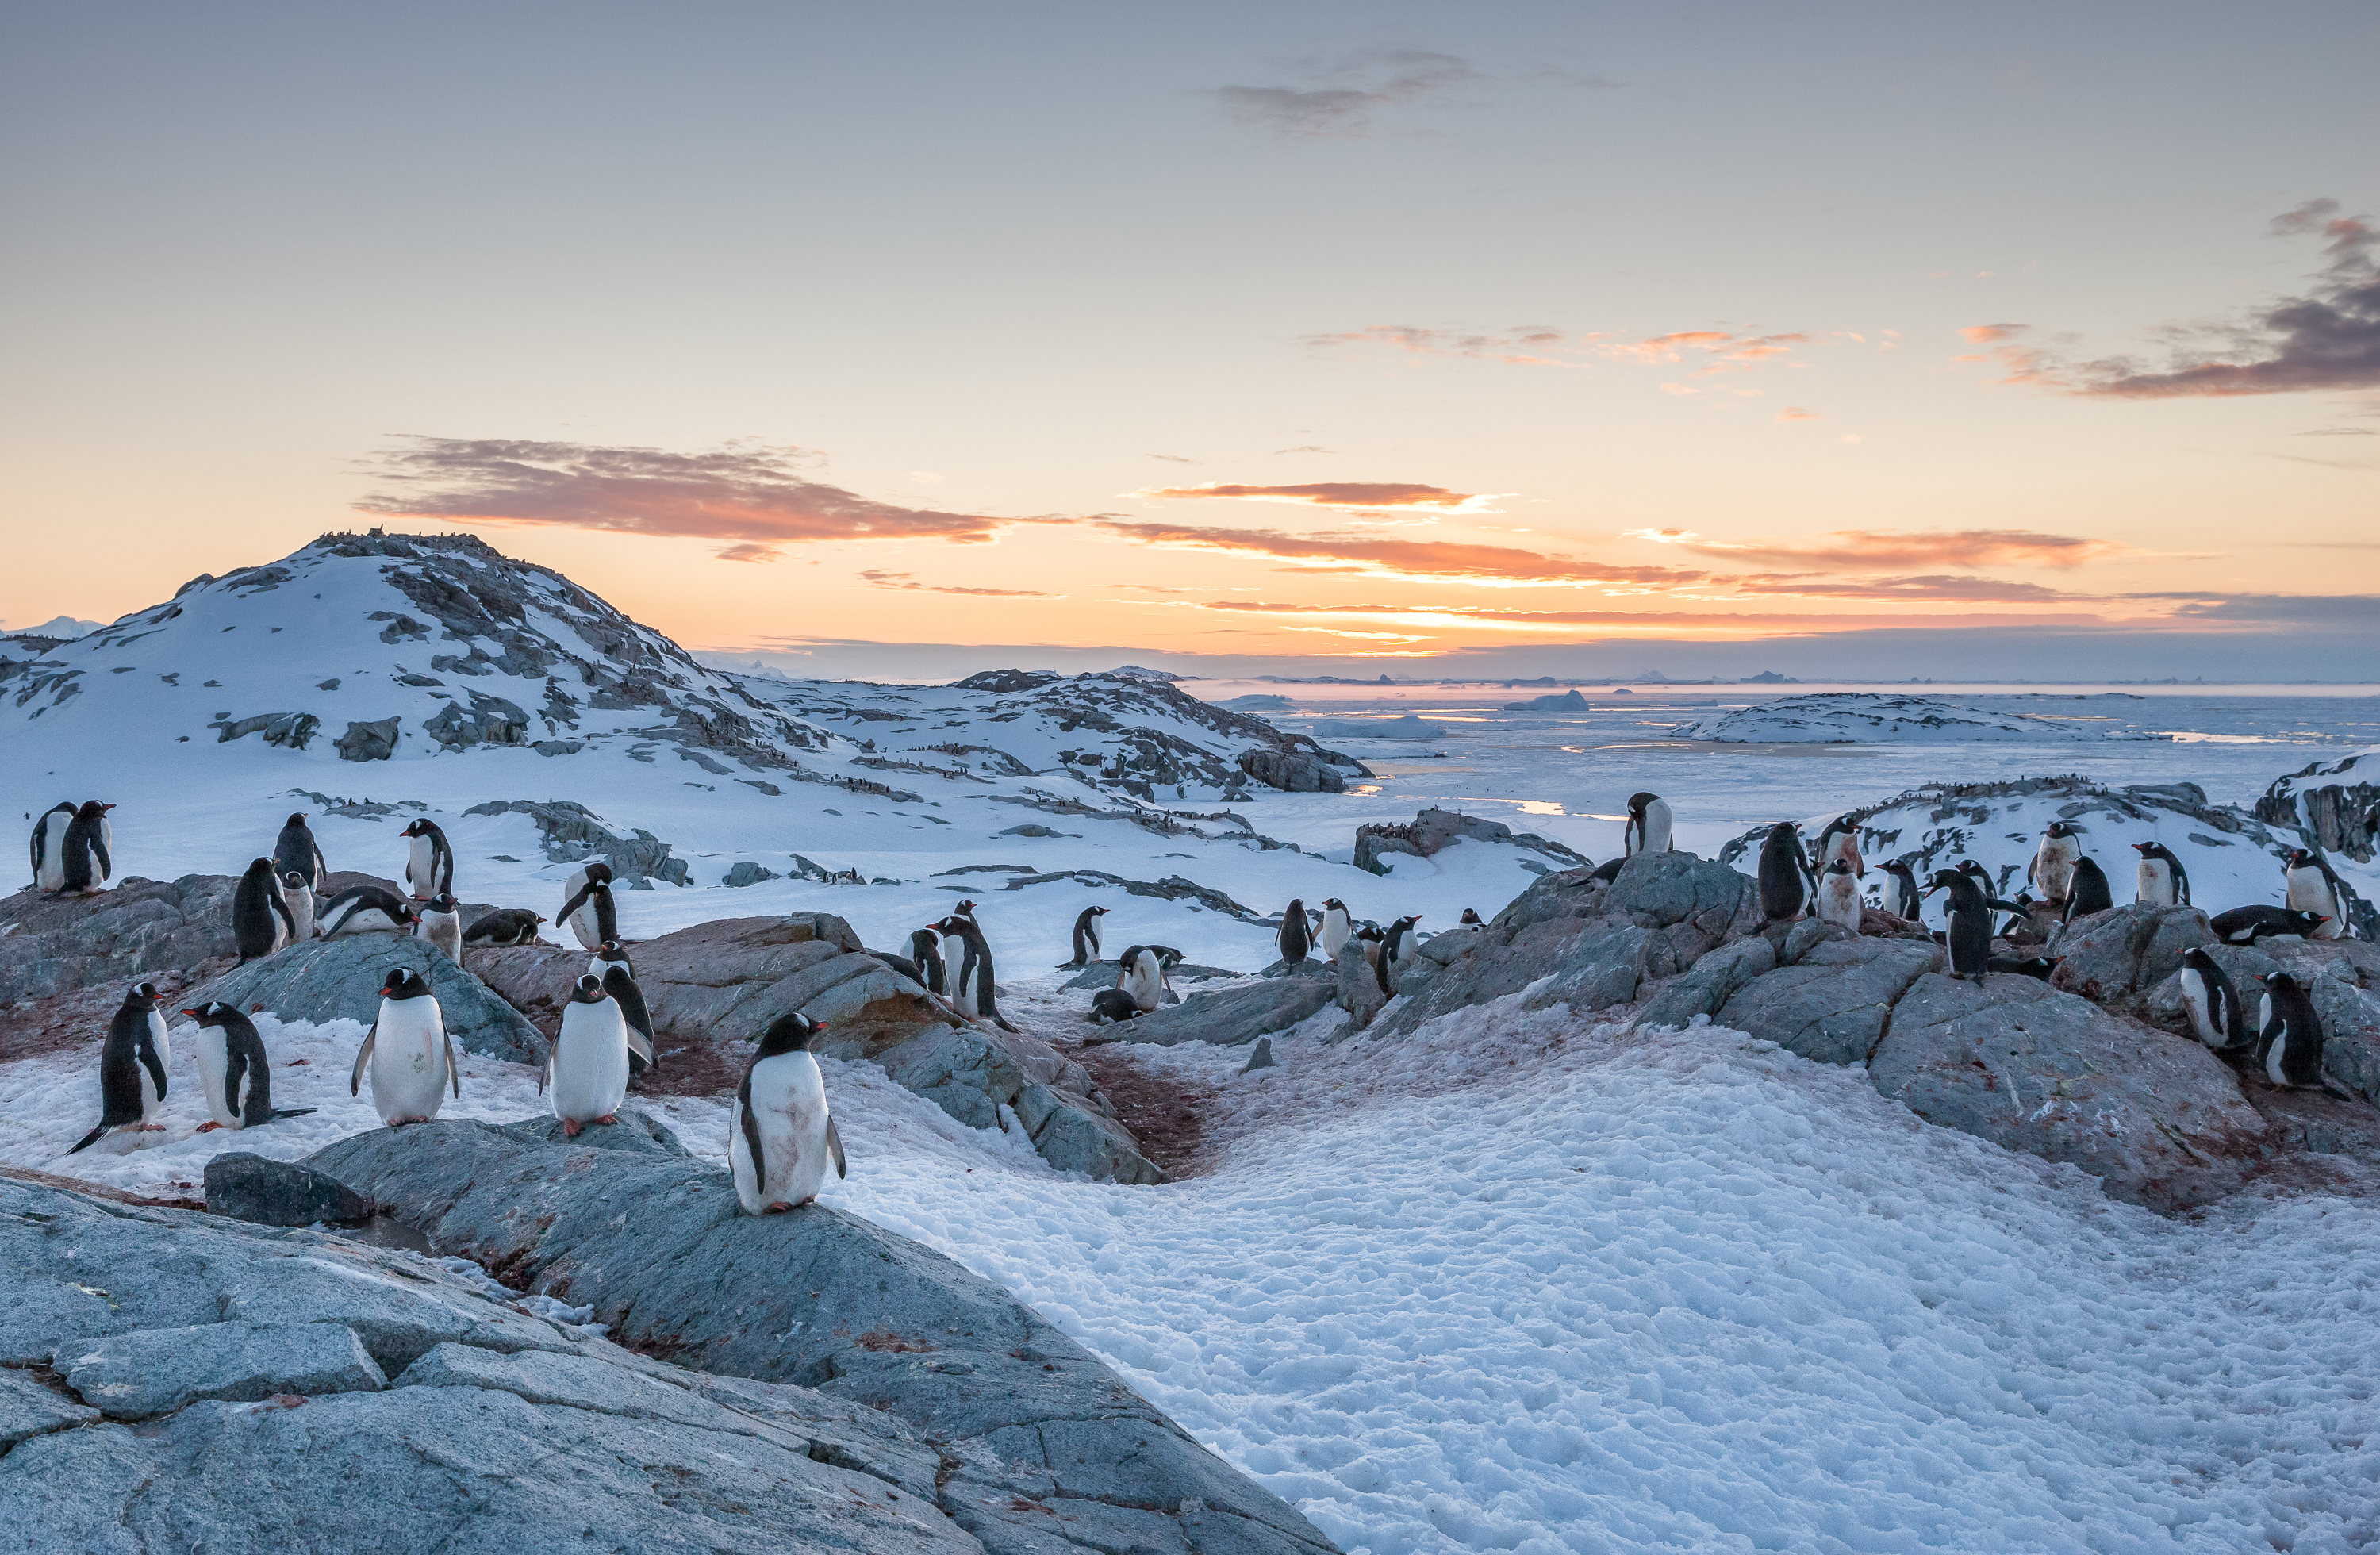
{"x":1867,"y":341}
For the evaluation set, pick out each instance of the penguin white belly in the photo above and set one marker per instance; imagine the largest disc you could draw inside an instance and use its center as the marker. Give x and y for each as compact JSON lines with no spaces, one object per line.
{"x":2276,"y":1070}
{"x":590,"y":1065}
{"x":1142,"y":980}
{"x":2194,"y":999}
{"x":214,"y":1064}
{"x":2155,"y":884}
{"x":1845,"y":846}
{"x":1335,"y":929}
{"x":54,"y":851}
{"x":789,"y":1106}
{"x":2053,"y":871}
{"x":420,"y":879}
{"x":408,"y":1061}
{"x":588,"y":932}
{"x":150,"y":1102}
{"x":1838,"y":902}
{"x":301,"y":913}
{"x":444,"y":931}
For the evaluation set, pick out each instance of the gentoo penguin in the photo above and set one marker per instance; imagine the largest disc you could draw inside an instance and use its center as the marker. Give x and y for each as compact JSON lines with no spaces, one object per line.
{"x":298,"y":897}
{"x":1336,"y":925}
{"x":260,"y":923}
{"x":783,"y":1135}
{"x":429,"y":863}
{"x":1838,"y":896}
{"x":2087,"y":891}
{"x":2245,"y":926}
{"x":2213,"y":1002}
{"x":978,"y":955}
{"x":1648,"y":826}
{"x":364,"y":909}
{"x":1784,"y":874}
{"x":587,"y":907}
{"x":2291,"y":1033}
{"x":1609,"y":870}
{"x":2163,"y":882}
{"x":234,"y":1070}
{"x":1901,"y":895}
{"x":411,"y":1055}
{"x":926,"y":951}
{"x":619,"y":975}
{"x":295,"y":851}
{"x":441,"y":923}
{"x":2038,"y":966}
{"x":132,"y":1066}
{"x":967,"y":955}
{"x":2053,"y":862}
{"x":1471,"y":919}
{"x":50,"y":848}
{"x":1397,"y":942}
{"x":84,"y":856}
{"x":1840,"y":839}
{"x":505,"y":926}
{"x":2315,"y":887}
{"x":1087,"y":936}
{"x":1970,"y":924}
{"x":1111,"y":1004}
{"x":1141,"y":973}
{"x":1295,"y":937}
{"x":586,"y":1067}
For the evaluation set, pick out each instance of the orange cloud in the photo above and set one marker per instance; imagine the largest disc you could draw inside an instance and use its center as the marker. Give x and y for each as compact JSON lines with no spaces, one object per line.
{"x":1991,"y":334}
{"x":1859,"y":549}
{"x":1523,"y":345}
{"x":1720,"y":350}
{"x":1402,"y":558}
{"x":876,"y":579}
{"x":1339,"y":493}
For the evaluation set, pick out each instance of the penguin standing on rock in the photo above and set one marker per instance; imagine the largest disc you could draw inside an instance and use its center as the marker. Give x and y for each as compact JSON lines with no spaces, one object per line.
{"x":50,"y":848}
{"x":1902,"y":898}
{"x":925,"y":950}
{"x":505,"y":926}
{"x":586,"y":1067}
{"x":235,"y":1071}
{"x":783,"y":1135}
{"x":2213,"y":1002}
{"x":1397,"y":942}
{"x":411,"y":1055}
{"x":1141,"y":973}
{"x":1969,"y":936}
{"x":295,"y":851}
{"x":298,"y":897}
{"x":2162,"y":882}
{"x":1337,"y":924}
{"x":86,"y":863}
{"x":1294,"y":939}
{"x":2053,"y":862}
{"x":1087,"y":936}
{"x":132,"y":1067}
{"x":1784,"y":874}
{"x":1838,"y":896}
{"x":429,"y":863}
{"x":2315,"y":887}
{"x":1648,"y":826}
{"x":2291,"y":1033}
{"x":441,"y":923}
{"x":2088,"y":892}
{"x":587,"y":906}
{"x":1840,"y":841}
{"x":978,"y":957}
{"x":2245,"y":926}
{"x":261,"y":920}
{"x":364,"y":909}
{"x":619,"y":975}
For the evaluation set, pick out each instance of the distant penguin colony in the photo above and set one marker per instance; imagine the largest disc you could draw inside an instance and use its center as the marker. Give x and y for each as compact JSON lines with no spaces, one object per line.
{"x":1647,"y":829}
{"x":587,"y":907}
{"x":1294,"y":939}
{"x":782,"y":1137}
{"x":408,"y":1052}
{"x":233,"y":1069}
{"x":429,"y":863}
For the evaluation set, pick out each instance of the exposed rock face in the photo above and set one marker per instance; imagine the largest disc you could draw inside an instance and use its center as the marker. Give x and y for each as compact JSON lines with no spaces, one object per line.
{"x":1033,"y":1446}
{"x":1355,"y":987}
{"x":2157,"y":1118}
{"x":1832,"y":1003}
{"x":2336,"y":801}
{"x":278,"y":1193}
{"x":369,"y":740}
{"x":136,"y":927}
{"x":340,"y":980}
{"x":572,"y":834}
{"x":2117,"y":956}
{"x":1226,"y":1017}
{"x":1709,"y":983}
{"x":1434,"y":829}
{"x":1293,"y":772}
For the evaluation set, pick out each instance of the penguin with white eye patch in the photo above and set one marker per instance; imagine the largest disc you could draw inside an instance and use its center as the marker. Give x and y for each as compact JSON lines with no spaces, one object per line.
{"x":782,"y":1137}
{"x":409,"y":1052}
{"x":1837,"y":900}
{"x":587,"y":1068}
{"x":1648,"y":826}
{"x":132,"y":1067}
{"x":1338,"y":926}
{"x":235,"y":1072}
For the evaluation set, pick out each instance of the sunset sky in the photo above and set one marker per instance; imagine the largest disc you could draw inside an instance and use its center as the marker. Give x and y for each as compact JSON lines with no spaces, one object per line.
{"x":1523,"y":339}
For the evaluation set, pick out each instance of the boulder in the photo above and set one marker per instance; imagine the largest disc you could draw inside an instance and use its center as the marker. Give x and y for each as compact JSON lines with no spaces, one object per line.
{"x":1035,"y":1445}
{"x":1260,"y":1057}
{"x":1355,"y":985}
{"x":1293,"y":772}
{"x":2115,"y":956}
{"x":1662,"y":889}
{"x":157,"y":1371}
{"x":1226,"y":1017}
{"x":137,"y":927}
{"x":2334,"y":973}
{"x":278,"y":1193}
{"x":2157,"y":1118}
{"x":1433,"y":830}
{"x":340,"y":980}
{"x":1709,"y":984}
{"x":1599,"y":967}
{"x":1830,"y":1005}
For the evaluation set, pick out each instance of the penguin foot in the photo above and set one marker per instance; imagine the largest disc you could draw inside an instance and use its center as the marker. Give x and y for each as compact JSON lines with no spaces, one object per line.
{"x":608,"y":1118}
{"x":209,"y":1127}
{"x":779,"y":1207}
{"x":153,"y":1128}
{"x":570,"y":1128}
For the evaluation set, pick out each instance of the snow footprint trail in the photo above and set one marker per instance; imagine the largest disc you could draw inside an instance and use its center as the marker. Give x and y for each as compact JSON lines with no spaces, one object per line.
{"x":1696,"y":1296}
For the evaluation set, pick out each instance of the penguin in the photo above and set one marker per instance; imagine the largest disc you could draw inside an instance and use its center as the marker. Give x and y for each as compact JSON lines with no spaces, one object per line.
{"x":50,"y":848}
{"x":1471,"y":919}
{"x":1969,"y":936}
{"x":364,"y":909}
{"x":967,"y":957}
{"x":619,"y":975}
{"x":1087,"y":936}
{"x":1337,"y":926}
{"x":2315,"y":887}
{"x":1840,"y":839}
{"x":2053,"y":862}
{"x":234,"y":1070}
{"x":2087,"y":891}
{"x":978,"y":955}
{"x":2245,"y":926}
{"x":587,"y":906}
{"x":410,"y":1051}
{"x":926,"y":951}
{"x":1295,"y":937}
{"x":295,"y":851}
{"x":2213,"y":1002}
{"x":1648,"y":826}
{"x":2038,"y":966}
{"x":2290,"y":1034}
{"x":430,"y":864}
{"x":587,"y":1066}
{"x":505,"y":926}
{"x":782,"y":1135}
{"x":1609,"y":870}
{"x":1784,"y":874}
{"x":299,"y":898}
{"x":2019,"y":929}
{"x":2162,"y":882}
{"x":260,"y":921}
{"x":1111,"y":1004}
{"x":83,"y":857}
{"x":132,"y":1067}
{"x":441,"y":923}
{"x":1901,"y":895}
{"x":1397,"y":942}
{"x":1839,"y":895}
{"x":1141,"y":973}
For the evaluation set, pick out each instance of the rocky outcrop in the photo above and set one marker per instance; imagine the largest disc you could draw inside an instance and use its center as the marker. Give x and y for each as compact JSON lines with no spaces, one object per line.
{"x":1434,"y":829}
{"x":2157,"y":1118}
{"x":1030,"y":1445}
{"x":1709,"y":984}
{"x":278,"y":1193}
{"x":571,"y":835}
{"x":2338,"y":802}
{"x":1293,"y":772}
{"x":368,"y":739}
{"x":973,"y":1072}
{"x":340,"y":980}
{"x":1227,"y":1017}
{"x":1831,"y":1005}
{"x":2342,"y":977}
{"x":56,"y":944}
{"x":2116,"y":956}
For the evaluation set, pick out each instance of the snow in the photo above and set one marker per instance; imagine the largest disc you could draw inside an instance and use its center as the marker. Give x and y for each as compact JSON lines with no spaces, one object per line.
{"x":1849,"y":718}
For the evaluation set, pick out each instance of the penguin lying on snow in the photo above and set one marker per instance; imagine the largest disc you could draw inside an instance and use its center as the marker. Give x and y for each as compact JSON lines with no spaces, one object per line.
{"x":505,"y":926}
{"x":364,"y":909}
{"x":2315,"y":887}
{"x":2162,"y":881}
{"x":2245,"y":926}
{"x":410,"y":1052}
{"x":2213,"y":1002}
{"x":1109,"y":1005}
{"x":50,"y":848}
{"x":782,"y":1135}
{"x":586,"y":1067}
{"x":132,"y":1066}
{"x":429,"y":863}
{"x":260,"y":920}
{"x":235,"y":1071}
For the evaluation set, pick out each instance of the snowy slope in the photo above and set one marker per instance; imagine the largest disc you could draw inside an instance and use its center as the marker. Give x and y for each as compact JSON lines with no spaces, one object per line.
{"x":1857,"y":717}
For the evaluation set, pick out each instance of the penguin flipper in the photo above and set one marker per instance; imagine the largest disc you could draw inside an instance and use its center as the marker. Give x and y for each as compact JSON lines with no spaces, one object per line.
{"x":834,"y":1149}
{"x":751,"y":1124}
{"x":363,"y":1056}
{"x":572,"y":906}
{"x":155,"y":1065}
{"x":642,"y":1046}
{"x":235,"y":1077}
{"x":454,"y":1071}
{"x":287,"y":922}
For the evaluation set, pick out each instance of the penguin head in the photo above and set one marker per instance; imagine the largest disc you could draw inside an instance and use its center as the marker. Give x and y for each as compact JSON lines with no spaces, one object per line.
{"x":598,"y":874}
{"x":1332,"y":904}
{"x":1638,"y":803}
{"x":443,"y":903}
{"x":2305,"y":923}
{"x":1945,"y":880}
{"x":142,"y":995}
{"x":415,"y":828}
{"x":403,"y":982}
{"x":588,"y":991}
{"x":2279,"y":982}
{"x":260,"y":867}
{"x":2298,"y":859}
{"x":792,"y":1032}
{"x":2064,"y":829}
{"x":91,"y":810}
{"x":1102,"y":911}
{"x":2196,"y":959}
{"x":213,"y":1013}
{"x":1470,"y":916}
{"x":298,"y":819}
{"x":293,"y":881}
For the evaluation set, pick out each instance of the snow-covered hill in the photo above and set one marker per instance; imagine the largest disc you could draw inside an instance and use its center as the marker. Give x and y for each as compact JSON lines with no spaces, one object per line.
{"x":1864,"y":717}
{"x":2339,"y":802}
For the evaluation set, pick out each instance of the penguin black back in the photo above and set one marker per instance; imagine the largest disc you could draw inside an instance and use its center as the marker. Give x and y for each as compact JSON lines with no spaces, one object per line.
{"x":925,"y":950}
{"x":127,"y":1051}
{"x":978,"y":957}
{"x":1784,"y":874}
{"x":620,"y":982}
{"x":1969,"y":937}
{"x":2292,"y":1038}
{"x":1086,"y":936}
{"x":295,"y":851}
{"x":88,"y":866}
{"x":1295,"y":939}
{"x":1111,"y":1004}
{"x":247,"y":1072}
{"x":2089,"y":893}
{"x":1902,"y":898}
{"x":259,"y":916}
{"x":2245,"y":926}
{"x":2213,"y":1001}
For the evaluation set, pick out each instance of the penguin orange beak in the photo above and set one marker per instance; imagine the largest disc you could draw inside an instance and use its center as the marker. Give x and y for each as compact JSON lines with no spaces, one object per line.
{"x":818,"y":1025}
{"x":192,"y":1013}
